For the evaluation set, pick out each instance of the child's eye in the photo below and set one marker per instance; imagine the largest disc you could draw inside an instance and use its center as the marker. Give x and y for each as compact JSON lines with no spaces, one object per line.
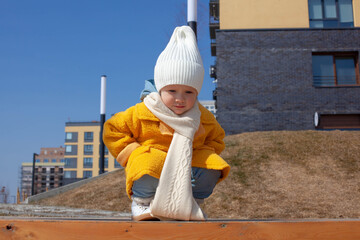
{"x":172,"y":91}
{"x":189,"y":92}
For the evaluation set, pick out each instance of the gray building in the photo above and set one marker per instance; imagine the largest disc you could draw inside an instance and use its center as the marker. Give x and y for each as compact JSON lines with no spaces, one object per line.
{"x":284,"y":77}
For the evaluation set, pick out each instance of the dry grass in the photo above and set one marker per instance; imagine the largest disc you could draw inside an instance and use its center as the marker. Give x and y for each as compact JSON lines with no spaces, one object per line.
{"x":107,"y":193}
{"x":302,"y":174}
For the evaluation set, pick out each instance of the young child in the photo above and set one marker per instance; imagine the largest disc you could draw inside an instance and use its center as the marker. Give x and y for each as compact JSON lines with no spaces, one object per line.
{"x":169,"y":144}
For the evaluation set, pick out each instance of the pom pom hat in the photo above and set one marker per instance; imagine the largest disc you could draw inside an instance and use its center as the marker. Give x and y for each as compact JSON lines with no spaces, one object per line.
{"x":180,"y":62}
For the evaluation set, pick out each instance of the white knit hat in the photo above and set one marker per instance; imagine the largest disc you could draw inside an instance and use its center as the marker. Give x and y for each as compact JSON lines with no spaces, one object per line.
{"x":180,"y":62}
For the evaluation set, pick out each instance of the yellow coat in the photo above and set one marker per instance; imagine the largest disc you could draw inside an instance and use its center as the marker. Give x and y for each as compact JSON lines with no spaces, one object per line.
{"x":139,"y":141}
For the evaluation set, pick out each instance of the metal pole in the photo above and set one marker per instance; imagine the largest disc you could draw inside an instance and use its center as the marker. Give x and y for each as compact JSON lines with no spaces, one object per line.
{"x":102,"y":121}
{"x":33,"y":175}
{"x":192,"y":15}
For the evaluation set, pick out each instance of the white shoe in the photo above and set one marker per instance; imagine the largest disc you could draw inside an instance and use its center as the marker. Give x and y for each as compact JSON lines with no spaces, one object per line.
{"x":200,"y":202}
{"x":140,"y":209}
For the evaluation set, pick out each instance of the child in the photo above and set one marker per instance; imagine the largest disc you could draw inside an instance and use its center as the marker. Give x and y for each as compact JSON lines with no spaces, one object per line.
{"x":169,"y":144}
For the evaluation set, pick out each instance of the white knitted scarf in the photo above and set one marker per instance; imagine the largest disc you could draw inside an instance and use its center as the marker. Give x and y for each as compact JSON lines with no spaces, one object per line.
{"x":174,"y":198}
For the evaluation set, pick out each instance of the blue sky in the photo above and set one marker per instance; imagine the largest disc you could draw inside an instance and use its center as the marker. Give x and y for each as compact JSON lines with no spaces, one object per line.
{"x":53,"y":53}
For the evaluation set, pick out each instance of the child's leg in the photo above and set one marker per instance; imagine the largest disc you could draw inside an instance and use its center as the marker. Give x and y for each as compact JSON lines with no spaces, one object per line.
{"x":145,"y":187}
{"x":143,"y":193}
{"x":203,"y":181}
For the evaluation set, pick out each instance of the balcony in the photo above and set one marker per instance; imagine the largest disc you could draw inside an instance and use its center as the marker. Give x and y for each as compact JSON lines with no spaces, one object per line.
{"x":214,"y":23}
{"x":213,"y":48}
{"x":213,"y":71}
{"x":214,"y":9}
{"x":213,"y":27}
{"x":215,"y":95}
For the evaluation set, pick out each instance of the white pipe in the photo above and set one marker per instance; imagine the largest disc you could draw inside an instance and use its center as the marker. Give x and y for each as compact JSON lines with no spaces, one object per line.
{"x":192,"y":11}
{"x":103,"y":94}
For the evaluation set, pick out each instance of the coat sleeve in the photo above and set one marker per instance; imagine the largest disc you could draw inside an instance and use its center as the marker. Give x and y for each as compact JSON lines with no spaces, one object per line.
{"x":215,"y":138}
{"x":215,"y":133}
{"x":120,"y":133}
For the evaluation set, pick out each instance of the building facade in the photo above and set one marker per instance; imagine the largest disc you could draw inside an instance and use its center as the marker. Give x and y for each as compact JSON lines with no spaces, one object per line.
{"x":4,"y":195}
{"x":82,"y":151}
{"x":209,"y":105}
{"x":51,"y":155}
{"x":49,"y":171}
{"x":286,"y":65}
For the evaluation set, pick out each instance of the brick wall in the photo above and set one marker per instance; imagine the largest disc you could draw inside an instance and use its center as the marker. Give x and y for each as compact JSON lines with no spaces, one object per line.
{"x":265,"y":78}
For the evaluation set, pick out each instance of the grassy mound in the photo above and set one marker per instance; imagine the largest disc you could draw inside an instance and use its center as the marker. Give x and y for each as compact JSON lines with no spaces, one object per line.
{"x":283,"y":174}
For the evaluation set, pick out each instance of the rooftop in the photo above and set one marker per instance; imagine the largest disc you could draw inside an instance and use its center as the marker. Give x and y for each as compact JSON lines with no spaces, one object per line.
{"x":92,"y":123}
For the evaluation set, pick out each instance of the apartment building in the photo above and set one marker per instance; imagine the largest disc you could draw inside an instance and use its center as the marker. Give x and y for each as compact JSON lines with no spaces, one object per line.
{"x":209,"y":105}
{"x":286,"y":65}
{"x":49,"y":171}
{"x":51,"y":155}
{"x":82,"y":151}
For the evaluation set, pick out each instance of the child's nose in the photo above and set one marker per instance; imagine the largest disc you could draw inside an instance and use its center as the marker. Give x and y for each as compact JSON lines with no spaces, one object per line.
{"x":180,"y":98}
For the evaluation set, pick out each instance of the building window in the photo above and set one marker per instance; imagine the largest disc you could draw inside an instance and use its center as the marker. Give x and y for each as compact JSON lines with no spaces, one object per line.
{"x":88,"y":136}
{"x":331,"y":13}
{"x":68,"y":149}
{"x":70,"y":174}
{"x":46,"y":160}
{"x":53,"y":160}
{"x":106,"y":150}
{"x":68,"y":135}
{"x":52,"y":170}
{"x":87,"y":174}
{"x":37,"y":160}
{"x":88,"y":162}
{"x":70,"y":162}
{"x":117,"y":164}
{"x":335,"y":69}
{"x":71,"y":136}
{"x":88,"y":149}
{"x":71,"y":150}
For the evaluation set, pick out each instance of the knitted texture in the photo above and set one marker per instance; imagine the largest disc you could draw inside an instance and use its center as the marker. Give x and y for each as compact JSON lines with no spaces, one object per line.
{"x":173,"y":197}
{"x":180,"y":62}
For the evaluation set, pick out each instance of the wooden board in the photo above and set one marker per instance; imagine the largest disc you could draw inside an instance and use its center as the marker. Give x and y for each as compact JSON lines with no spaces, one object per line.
{"x":19,"y":229}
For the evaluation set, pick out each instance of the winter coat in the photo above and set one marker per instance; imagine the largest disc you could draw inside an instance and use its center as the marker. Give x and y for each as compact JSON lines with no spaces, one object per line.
{"x":139,"y":141}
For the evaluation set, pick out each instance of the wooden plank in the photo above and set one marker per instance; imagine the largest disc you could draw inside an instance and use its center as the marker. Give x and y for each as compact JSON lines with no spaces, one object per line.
{"x":16,"y":229}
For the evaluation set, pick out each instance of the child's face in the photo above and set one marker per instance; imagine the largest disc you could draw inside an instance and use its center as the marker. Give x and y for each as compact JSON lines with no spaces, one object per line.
{"x":178,"y":98}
